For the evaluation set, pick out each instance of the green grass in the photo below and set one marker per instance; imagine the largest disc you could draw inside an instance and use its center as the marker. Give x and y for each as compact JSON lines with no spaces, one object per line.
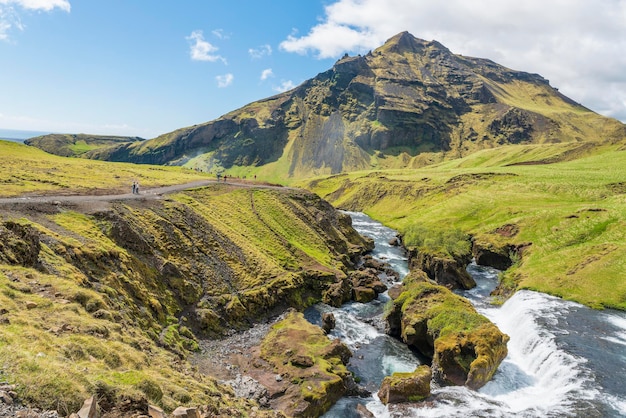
{"x":29,"y":170}
{"x":573,"y":212}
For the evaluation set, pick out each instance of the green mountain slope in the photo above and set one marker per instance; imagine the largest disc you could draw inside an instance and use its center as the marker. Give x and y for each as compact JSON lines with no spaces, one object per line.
{"x":408,"y":103}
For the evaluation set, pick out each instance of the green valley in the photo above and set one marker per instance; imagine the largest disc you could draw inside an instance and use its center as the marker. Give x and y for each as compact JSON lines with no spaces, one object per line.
{"x":568,"y":216}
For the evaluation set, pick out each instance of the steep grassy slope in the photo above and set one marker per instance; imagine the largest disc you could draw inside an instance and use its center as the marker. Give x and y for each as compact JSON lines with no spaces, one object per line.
{"x":566,"y":219}
{"x":409,"y":103}
{"x":29,"y":170}
{"x":110,"y":298}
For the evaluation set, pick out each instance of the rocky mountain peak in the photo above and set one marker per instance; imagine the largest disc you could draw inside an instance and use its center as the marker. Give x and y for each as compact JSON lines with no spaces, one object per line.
{"x":404,"y":42}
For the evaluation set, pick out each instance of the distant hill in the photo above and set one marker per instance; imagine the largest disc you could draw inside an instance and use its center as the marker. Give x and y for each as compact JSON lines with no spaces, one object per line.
{"x":409,"y":103}
{"x":17,"y":135}
{"x":73,"y":145}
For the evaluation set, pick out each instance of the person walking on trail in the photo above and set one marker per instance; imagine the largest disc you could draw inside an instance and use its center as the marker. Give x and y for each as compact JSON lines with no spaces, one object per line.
{"x":135,"y":187}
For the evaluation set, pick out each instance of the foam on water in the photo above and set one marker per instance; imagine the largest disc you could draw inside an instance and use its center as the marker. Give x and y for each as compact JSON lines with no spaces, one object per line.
{"x":537,"y":376}
{"x":543,"y":374}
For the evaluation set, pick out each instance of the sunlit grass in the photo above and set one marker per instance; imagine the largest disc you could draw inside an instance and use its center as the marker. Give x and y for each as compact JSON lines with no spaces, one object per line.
{"x":29,"y":170}
{"x":573,"y":212}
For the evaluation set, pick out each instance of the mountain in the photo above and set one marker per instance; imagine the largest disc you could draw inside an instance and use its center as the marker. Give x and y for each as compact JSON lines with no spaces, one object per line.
{"x":408,"y":103}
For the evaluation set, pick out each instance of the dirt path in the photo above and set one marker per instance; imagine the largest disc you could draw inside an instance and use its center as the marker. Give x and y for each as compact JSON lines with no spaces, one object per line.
{"x":154,"y":193}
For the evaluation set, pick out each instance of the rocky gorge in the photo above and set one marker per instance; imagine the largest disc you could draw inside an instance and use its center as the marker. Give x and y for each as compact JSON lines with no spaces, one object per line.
{"x":144,"y":301}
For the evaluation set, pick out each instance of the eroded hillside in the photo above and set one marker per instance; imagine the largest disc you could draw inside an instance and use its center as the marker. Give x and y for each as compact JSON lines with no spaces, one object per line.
{"x":111,"y":297}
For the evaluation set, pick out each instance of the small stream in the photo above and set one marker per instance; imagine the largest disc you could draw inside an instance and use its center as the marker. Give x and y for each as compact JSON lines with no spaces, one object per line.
{"x":564,"y":358}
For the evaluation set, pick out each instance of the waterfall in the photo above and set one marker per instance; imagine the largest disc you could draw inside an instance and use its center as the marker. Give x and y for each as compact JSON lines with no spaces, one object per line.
{"x":565,"y":360}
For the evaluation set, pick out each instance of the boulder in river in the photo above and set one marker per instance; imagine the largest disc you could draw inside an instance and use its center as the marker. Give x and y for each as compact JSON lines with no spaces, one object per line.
{"x":406,"y":387}
{"x":466,"y":348}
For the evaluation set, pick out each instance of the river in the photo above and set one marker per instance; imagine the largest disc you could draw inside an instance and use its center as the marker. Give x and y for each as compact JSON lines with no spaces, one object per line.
{"x":564,"y":358}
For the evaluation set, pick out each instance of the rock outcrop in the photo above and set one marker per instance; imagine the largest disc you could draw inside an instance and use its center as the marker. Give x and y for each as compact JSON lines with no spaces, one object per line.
{"x":312,"y":367}
{"x":465,"y":347}
{"x":446,"y":271}
{"x":406,"y":387}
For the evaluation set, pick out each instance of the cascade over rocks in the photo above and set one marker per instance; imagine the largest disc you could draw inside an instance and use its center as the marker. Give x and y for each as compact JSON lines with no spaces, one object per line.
{"x":465,"y":347}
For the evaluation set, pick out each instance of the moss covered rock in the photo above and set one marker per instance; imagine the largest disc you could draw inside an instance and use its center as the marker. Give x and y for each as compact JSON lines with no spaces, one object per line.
{"x":446,"y":271}
{"x":406,"y":387}
{"x":466,"y":348}
{"x":313,"y":366}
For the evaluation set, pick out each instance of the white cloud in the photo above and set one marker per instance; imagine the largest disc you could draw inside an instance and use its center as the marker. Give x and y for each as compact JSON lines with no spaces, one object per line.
{"x":201,"y":50}
{"x":225,"y":80}
{"x":219,"y":33}
{"x":267,"y":73}
{"x":260,"y":52}
{"x":10,"y":12}
{"x":284,"y":86}
{"x":579,"y":45}
{"x":45,"y":5}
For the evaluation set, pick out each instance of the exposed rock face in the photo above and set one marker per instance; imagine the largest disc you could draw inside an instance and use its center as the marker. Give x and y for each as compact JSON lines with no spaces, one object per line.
{"x":499,"y":258}
{"x":406,"y":387}
{"x":328,"y":322}
{"x":19,"y":244}
{"x":445,"y":271}
{"x":409,"y":94}
{"x":465,"y":347}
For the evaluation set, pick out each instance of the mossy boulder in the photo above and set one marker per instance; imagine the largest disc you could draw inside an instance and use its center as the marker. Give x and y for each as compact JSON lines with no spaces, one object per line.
{"x":406,"y":387}
{"x":313,"y":366}
{"x":465,"y":347}
{"x":446,"y":271}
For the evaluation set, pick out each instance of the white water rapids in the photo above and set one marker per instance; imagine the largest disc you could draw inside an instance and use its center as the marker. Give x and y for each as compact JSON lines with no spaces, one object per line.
{"x":564,"y":360}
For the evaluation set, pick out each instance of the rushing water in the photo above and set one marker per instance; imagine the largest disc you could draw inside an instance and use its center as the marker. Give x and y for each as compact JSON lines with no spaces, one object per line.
{"x":564,"y":359}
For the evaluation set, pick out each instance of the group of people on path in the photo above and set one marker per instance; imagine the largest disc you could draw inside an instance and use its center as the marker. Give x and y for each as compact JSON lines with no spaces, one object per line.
{"x":135,"y":187}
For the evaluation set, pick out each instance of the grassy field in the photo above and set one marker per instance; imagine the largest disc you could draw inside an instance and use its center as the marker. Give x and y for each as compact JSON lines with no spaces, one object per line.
{"x":28,"y":170}
{"x":572,"y":213}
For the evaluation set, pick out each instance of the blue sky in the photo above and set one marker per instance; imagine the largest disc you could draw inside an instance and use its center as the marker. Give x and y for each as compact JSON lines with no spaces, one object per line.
{"x":139,"y":67}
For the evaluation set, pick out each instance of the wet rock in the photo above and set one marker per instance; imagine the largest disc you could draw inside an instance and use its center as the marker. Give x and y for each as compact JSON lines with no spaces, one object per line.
{"x":337,"y":349}
{"x":328,"y":322}
{"x":363,"y":294}
{"x":394,"y":242}
{"x":447,"y":272}
{"x":406,"y":387}
{"x":395,"y":291}
{"x":363,"y":412}
{"x":489,"y":255}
